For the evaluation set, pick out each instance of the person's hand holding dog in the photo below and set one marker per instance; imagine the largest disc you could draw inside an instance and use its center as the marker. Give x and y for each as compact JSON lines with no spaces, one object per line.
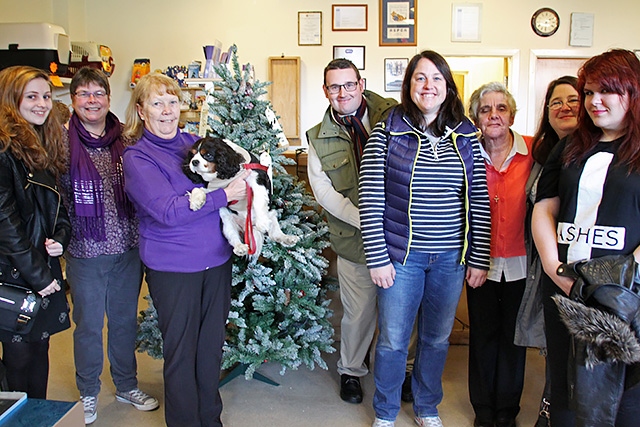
{"x":237,"y":189}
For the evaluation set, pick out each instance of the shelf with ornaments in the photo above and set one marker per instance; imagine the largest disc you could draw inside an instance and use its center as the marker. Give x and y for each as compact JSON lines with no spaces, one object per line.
{"x":194,"y":93}
{"x":194,"y":97}
{"x":191,"y":108}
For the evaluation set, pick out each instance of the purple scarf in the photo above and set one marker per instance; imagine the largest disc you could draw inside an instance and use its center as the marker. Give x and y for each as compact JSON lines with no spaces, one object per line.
{"x":87,"y":185}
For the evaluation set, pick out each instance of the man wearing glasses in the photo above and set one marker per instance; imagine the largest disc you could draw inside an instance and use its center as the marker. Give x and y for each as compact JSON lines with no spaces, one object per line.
{"x":335,"y":151}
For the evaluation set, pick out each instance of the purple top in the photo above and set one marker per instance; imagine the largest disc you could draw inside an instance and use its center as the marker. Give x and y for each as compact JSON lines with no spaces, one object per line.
{"x":172,"y":237}
{"x":121,"y":233}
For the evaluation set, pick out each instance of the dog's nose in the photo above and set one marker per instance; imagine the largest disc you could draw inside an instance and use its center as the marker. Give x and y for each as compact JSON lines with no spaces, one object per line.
{"x":195,"y":162}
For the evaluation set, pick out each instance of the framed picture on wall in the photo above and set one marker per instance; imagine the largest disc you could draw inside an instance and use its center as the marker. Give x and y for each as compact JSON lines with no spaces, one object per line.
{"x":466,"y":22}
{"x":349,"y":17}
{"x":309,"y":28}
{"x":394,"y":73}
{"x":398,"y":22}
{"x":354,"y":54}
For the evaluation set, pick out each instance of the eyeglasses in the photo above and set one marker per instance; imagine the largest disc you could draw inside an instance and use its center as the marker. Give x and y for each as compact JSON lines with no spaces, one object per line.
{"x":348,"y":86}
{"x":557,"y":104}
{"x":99,"y":94}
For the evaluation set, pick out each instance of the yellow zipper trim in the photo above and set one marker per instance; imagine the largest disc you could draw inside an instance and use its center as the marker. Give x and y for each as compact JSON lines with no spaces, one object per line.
{"x":415,"y":160}
{"x":465,"y":240}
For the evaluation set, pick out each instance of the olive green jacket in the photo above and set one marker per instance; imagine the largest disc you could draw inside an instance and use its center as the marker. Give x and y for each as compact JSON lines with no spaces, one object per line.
{"x":334,"y":149}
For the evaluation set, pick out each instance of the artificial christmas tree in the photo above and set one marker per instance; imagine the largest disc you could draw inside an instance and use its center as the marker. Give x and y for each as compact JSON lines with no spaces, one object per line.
{"x":279,"y":311}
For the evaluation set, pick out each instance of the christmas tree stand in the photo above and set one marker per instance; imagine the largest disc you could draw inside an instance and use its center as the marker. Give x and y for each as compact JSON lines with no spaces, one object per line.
{"x":240,"y":369}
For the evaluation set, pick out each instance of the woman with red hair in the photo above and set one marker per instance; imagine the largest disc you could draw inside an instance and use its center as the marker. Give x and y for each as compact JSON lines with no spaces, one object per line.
{"x":588,"y":207}
{"x":34,"y":225}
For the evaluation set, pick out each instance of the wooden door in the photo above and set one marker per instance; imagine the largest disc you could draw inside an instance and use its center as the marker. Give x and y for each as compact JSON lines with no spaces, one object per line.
{"x":284,"y":91}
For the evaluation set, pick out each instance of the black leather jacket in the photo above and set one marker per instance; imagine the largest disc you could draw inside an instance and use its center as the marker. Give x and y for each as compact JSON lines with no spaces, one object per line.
{"x":603,"y":317}
{"x":31,"y":211}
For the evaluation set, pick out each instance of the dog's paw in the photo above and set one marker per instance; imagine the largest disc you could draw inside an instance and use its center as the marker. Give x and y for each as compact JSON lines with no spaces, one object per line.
{"x":288,"y":240}
{"x":197,"y":198}
{"x":241,"y":249}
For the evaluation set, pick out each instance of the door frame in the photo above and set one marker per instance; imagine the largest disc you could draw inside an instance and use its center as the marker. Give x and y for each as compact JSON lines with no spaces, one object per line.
{"x":513,"y":55}
{"x":513,"y":59}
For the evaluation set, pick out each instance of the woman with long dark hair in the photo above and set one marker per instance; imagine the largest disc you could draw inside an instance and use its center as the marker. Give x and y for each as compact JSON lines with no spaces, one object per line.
{"x":559,"y":116}
{"x":559,"y":119}
{"x":424,"y":214}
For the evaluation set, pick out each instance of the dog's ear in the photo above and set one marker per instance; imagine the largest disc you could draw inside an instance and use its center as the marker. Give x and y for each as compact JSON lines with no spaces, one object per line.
{"x":228,"y":161}
{"x":194,"y":177}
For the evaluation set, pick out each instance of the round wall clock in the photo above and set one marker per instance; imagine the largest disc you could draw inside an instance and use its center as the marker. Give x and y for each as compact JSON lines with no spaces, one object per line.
{"x":545,"y":22}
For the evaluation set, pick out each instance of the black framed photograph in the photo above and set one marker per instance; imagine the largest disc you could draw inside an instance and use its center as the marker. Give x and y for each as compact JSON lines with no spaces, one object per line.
{"x":398,"y":22}
{"x":354,"y":54}
{"x":349,"y":17}
{"x":394,"y":69}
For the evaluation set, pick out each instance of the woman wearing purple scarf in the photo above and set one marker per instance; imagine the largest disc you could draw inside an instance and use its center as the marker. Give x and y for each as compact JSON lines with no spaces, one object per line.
{"x":103,"y":264}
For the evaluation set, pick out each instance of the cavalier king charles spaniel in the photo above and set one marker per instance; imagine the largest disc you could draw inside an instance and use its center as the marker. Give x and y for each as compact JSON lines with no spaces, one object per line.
{"x":216,"y":162}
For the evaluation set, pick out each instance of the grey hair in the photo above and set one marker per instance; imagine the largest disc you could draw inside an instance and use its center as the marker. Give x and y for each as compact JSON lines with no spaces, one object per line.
{"x":474,"y":101}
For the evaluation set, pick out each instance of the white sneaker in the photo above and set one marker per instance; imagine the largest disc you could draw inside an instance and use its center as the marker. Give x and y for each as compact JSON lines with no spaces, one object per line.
{"x":383,"y":423}
{"x":428,"y":421}
{"x":90,"y":405}
{"x":138,"y":398}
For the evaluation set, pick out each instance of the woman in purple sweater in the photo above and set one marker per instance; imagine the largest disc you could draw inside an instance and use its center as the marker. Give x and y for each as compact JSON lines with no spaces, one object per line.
{"x":187,"y":259}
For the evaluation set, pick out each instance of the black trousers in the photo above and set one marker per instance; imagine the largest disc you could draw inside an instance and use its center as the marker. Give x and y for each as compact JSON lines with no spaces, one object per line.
{"x":558,"y":345}
{"x":496,"y":364}
{"x":27,"y":365}
{"x":192,"y":313}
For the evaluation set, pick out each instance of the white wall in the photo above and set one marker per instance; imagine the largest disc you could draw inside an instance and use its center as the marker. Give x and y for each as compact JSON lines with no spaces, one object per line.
{"x":171,"y":33}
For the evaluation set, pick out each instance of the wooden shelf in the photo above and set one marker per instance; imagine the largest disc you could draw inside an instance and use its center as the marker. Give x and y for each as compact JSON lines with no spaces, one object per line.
{"x":193,"y":87}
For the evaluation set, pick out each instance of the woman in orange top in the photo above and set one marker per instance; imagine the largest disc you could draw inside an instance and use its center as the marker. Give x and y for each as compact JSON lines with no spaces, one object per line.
{"x":496,"y":365}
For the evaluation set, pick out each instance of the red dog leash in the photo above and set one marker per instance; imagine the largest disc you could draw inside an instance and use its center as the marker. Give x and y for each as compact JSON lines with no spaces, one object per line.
{"x":249,"y":240}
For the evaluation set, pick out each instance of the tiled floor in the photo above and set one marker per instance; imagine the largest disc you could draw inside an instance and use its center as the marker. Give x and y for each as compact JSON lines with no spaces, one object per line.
{"x":304,"y":398}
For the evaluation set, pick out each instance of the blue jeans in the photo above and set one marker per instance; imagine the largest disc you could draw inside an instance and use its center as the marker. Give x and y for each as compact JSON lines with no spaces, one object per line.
{"x":428,"y":285}
{"x":107,"y":284}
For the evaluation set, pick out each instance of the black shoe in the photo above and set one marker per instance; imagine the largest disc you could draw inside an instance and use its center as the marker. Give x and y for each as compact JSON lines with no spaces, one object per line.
{"x":407,"y":394}
{"x":478,"y":423}
{"x":506,"y":422}
{"x":350,"y":390}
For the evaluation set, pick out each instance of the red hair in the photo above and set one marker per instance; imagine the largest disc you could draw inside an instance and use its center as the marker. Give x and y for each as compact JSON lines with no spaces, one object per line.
{"x":617,"y":71}
{"x":39,"y":147}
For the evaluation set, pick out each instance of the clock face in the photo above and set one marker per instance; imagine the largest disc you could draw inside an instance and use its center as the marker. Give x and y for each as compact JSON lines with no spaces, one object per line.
{"x":545,"y":22}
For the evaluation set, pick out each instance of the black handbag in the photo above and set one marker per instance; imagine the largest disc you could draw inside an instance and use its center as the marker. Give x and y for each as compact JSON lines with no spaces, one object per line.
{"x":18,"y":304}
{"x":18,"y":308}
